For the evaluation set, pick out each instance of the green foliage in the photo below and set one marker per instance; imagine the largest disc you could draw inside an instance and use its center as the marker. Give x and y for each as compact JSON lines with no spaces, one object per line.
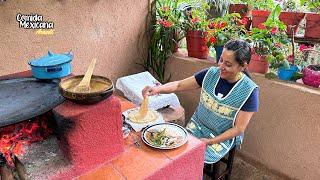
{"x":271,"y":75}
{"x":296,"y":76}
{"x":262,"y":4}
{"x":196,"y":18}
{"x":226,"y":28}
{"x":240,"y":1}
{"x":270,"y":39}
{"x":164,"y":34}
{"x":312,"y":5}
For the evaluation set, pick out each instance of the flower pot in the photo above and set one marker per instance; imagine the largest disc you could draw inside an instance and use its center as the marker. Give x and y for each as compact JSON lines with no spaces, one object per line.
{"x":312,"y":26}
{"x":258,"y":17}
{"x":286,"y":74}
{"x":311,"y":75}
{"x":242,"y":9}
{"x":219,"y":50}
{"x":197,"y":44}
{"x":258,"y":64}
{"x":291,"y":18}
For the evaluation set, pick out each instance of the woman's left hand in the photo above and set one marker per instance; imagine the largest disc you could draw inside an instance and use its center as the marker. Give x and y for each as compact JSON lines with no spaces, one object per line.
{"x":206,"y":140}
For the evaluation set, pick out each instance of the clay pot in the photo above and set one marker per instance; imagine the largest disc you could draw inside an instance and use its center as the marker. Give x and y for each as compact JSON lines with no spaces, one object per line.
{"x":291,"y":18}
{"x":197,"y":44}
{"x":258,"y":64}
{"x":258,"y":17}
{"x":311,"y":75}
{"x":312,"y":26}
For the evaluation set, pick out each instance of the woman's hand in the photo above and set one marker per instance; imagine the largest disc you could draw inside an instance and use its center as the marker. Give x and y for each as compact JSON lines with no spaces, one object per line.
{"x":206,"y":140}
{"x":150,"y":91}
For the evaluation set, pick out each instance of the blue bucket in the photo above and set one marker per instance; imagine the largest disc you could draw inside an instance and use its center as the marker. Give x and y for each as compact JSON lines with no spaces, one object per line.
{"x":219,"y":50}
{"x":286,"y":74}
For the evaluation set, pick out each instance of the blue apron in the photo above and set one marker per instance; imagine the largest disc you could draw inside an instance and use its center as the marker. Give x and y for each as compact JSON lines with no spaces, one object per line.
{"x":215,"y":115}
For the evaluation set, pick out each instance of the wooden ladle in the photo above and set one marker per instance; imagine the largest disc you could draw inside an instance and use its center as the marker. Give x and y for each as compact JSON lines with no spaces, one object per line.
{"x":84,"y":85}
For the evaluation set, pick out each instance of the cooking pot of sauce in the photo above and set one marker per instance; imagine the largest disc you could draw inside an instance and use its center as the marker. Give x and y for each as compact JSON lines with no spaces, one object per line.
{"x":100,"y":88}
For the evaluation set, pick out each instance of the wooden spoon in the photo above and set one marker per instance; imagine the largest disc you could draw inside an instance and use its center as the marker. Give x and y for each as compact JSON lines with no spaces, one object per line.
{"x":84,"y":85}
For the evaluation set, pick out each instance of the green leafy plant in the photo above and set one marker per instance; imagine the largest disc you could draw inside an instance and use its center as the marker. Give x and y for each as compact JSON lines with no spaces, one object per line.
{"x":195,"y":18}
{"x":262,"y":4}
{"x":163,"y":35}
{"x":312,"y":5}
{"x":270,"y":39}
{"x":223,"y":29}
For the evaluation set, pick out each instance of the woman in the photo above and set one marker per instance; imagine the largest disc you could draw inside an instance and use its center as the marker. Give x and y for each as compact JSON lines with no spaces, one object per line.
{"x":227,"y":102}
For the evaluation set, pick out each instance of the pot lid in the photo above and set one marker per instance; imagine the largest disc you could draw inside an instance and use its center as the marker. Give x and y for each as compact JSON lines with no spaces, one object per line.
{"x":24,"y":98}
{"x":52,"y":59}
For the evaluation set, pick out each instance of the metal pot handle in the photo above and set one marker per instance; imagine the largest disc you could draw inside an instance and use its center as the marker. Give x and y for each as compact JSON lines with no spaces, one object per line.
{"x":53,"y":69}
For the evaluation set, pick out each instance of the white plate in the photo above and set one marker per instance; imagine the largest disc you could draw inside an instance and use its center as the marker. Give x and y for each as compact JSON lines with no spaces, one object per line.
{"x":139,"y":126}
{"x":171,"y":128}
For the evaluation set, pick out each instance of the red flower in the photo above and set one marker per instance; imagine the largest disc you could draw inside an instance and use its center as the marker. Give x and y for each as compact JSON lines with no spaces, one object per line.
{"x":195,"y":20}
{"x":303,"y":47}
{"x":244,"y":20}
{"x":274,"y":30}
{"x":212,"y":25}
{"x":290,"y":58}
{"x":164,"y":23}
{"x":167,"y":24}
{"x":222,"y":24}
{"x":213,"y":40}
{"x":262,"y":26}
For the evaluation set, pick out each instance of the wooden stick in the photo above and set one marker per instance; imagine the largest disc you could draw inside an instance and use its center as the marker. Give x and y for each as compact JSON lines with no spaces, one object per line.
{"x":20,"y":169}
{"x":6,"y":173}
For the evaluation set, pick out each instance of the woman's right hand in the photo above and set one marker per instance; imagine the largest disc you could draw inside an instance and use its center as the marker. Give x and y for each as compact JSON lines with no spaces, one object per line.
{"x":150,"y":91}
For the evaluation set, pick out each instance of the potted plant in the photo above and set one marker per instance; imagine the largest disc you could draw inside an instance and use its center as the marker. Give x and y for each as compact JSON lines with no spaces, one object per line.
{"x":195,"y":25}
{"x":312,"y":19}
{"x":311,"y":72}
{"x":261,"y":11}
{"x":240,"y":6}
{"x":162,"y":35}
{"x":269,"y":44}
{"x":244,"y":8}
{"x":289,"y":16}
{"x":224,"y":29}
{"x":311,"y":75}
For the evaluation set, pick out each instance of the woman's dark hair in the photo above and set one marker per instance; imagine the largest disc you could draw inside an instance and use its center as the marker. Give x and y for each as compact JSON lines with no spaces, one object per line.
{"x":242,"y":52}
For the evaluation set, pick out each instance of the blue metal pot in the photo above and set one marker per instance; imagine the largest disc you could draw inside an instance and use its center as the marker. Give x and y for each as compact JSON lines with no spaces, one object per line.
{"x":51,"y":66}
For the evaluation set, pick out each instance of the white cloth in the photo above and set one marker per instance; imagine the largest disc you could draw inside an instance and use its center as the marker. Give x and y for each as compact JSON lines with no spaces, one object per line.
{"x":132,"y":86}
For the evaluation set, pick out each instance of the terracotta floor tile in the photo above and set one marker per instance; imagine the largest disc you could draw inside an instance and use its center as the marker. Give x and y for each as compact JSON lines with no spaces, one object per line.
{"x":136,"y":163}
{"x":192,"y":143}
{"x":106,"y":172}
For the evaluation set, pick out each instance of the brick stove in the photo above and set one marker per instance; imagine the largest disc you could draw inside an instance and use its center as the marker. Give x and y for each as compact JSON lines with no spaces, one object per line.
{"x":87,"y":137}
{"x":89,"y":145}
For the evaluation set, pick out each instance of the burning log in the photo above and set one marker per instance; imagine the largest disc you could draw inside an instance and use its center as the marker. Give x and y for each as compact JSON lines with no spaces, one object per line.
{"x":13,"y":138}
{"x":20,"y":169}
{"x":5,"y":172}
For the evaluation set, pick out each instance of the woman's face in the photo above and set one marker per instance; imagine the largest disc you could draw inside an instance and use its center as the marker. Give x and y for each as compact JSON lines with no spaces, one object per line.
{"x":229,"y":67}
